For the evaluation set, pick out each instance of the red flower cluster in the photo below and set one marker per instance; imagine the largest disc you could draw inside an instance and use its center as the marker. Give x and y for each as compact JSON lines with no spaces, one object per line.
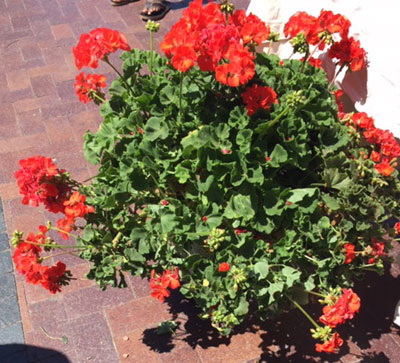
{"x":331,"y":345}
{"x":397,"y":227}
{"x":74,"y":208}
{"x":223,"y":267}
{"x":204,"y":36}
{"x":386,"y":147}
{"x":159,"y":284}
{"x":87,"y":87}
{"x":317,"y":30}
{"x":350,"y":255}
{"x":27,"y":260}
{"x":344,"y":308}
{"x":256,"y":97}
{"x":377,"y":250}
{"x":96,"y":45}
{"x":40,"y":181}
{"x":315,"y":62}
{"x":348,"y":52}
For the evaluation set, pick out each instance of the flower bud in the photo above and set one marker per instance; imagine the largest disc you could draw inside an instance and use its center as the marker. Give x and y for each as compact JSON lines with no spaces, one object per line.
{"x":152,"y":26}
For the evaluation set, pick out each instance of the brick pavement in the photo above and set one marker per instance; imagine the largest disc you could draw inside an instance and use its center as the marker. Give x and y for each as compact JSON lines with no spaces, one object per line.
{"x":40,"y":114}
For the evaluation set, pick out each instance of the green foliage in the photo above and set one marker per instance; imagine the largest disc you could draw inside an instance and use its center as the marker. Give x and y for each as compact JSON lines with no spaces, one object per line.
{"x":275,"y":195}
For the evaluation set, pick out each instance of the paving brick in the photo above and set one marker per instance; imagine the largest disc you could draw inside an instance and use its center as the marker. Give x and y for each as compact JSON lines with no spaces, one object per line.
{"x":20,"y":23}
{"x":135,"y":314}
{"x":91,"y":338}
{"x":8,"y":191}
{"x":30,"y":52}
{"x":239,"y":349}
{"x":82,"y":302}
{"x":48,"y":314}
{"x":61,"y":31}
{"x":42,"y":85}
{"x":17,"y":80}
{"x":59,"y":130}
{"x":30,"y":122}
{"x":9,"y":312}
{"x":35,"y":294}
{"x":130,"y":348}
{"x":139,"y":286}
{"x":23,"y":308}
{"x":22,"y":142}
{"x":41,"y":29}
{"x":5,"y":262}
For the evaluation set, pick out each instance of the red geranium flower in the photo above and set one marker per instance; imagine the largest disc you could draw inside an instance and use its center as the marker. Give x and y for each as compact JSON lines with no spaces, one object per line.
{"x":96,"y":45}
{"x":256,"y":97}
{"x":384,"y":168}
{"x":348,"y":52}
{"x":183,"y":58}
{"x":86,"y":86}
{"x":349,"y":248}
{"x":397,"y":227}
{"x":223,"y":267}
{"x":330,"y":346}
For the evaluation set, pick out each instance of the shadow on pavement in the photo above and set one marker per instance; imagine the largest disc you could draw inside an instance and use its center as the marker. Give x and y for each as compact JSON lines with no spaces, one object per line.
{"x":287,"y":338}
{"x":20,"y":353}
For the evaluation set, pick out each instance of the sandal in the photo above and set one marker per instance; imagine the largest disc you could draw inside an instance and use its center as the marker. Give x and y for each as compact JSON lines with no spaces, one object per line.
{"x":121,"y":2}
{"x":155,"y":10}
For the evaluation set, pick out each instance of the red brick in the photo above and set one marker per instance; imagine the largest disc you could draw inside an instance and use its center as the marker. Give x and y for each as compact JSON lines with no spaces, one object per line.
{"x":240,"y":348}
{"x":22,"y":142}
{"x":136,"y":314}
{"x":90,"y":299}
{"x":31,"y":51}
{"x":30,"y":122}
{"x":17,"y":80}
{"x":61,"y":31}
{"x":36,"y":293}
{"x":79,"y":280}
{"x":183,"y":355}
{"x":25,"y":318}
{"x":9,"y":191}
{"x":59,"y":130}
{"x":20,"y":23}
{"x":43,"y":85}
{"x":130,"y":348}
{"x":41,"y":312}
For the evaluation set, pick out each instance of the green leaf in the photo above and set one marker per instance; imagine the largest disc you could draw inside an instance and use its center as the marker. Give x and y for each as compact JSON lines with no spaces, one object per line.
{"x":278,"y":156}
{"x":243,"y":307}
{"x":298,"y":195}
{"x":291,"y":274}
{"x":239,"y":206}
{"x":330,"y":202}
{"x":261,"y":269}
{"x":156,"y":128}
{"x":168,"y":96}
{"x":168,"y":223}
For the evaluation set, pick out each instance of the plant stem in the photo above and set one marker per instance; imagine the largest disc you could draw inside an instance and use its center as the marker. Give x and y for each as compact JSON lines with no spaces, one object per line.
{"x":314,"y":293}
{"x":315,"y":49}
{"x":269,"y":47}
{"x":312,"y":321}
{"x":268,"y":124}
{"x":305,"y":59}
{"x":105,"y":59}
{"x":94,"y":94}
{"x":180,"y":94}
{"x":58,"y":254}
{"x":335,"y":76}
{"x":151,"y":53}
{"x":54,"y":245}
{"x":61,"y":231}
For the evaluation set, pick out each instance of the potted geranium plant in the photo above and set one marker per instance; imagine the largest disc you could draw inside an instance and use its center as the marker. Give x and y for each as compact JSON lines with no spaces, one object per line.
{"x":230,"y":174}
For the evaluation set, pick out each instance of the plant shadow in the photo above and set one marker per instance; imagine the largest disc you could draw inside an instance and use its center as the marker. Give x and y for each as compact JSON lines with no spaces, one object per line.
{"x":369,"y":337}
